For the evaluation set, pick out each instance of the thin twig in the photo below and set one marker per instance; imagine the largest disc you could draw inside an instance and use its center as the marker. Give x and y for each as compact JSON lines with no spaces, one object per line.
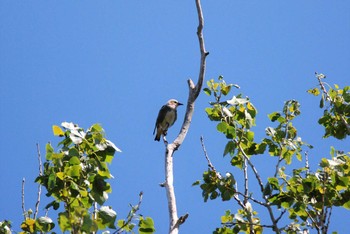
{"x":210,"y":165}
{"x":281,"y":215}
{"x":252,"y":167}
{"x":131,"y":215}
{"x":23,"y":206}
{"x":39,"y":187}
{"x":240,"y":223}
{"x":252,"y":199}
{"x":307,"y":163}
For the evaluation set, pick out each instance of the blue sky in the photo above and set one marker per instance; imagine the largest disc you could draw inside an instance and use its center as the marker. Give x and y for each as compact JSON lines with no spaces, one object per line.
{"x":117,"y":62}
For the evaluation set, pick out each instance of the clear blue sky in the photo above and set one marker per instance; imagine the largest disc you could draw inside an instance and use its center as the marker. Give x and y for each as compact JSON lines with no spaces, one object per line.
{"x":117,"y":62}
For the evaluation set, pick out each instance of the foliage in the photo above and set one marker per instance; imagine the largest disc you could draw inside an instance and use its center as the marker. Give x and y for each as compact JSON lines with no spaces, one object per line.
{"x":307,"y":197}
{"x":336,"y":105}
{"x":76,"y":177}
{"x":5,"y":227}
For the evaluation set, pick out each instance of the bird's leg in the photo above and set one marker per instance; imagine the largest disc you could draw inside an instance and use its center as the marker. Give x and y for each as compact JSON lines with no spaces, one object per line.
{"x":165,"y":140}
{"x":165,"y":132}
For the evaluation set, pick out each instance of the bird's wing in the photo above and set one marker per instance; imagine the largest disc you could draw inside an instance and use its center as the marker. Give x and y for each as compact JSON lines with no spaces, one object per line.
{"x":161,"y":115}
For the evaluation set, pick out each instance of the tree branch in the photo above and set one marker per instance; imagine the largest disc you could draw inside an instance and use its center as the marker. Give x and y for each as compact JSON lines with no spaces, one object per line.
{"x":23,"y":206}
{"x":39,"y":187}
{"x":319,"y":77}
{"x":131,"y":215}
{"x":194,"y":91}
{"x":210,"y":165}
{"x":260,"y":182}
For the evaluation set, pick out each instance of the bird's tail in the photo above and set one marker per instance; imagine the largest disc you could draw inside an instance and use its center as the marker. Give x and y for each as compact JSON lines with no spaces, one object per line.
{"x":157,"y":138}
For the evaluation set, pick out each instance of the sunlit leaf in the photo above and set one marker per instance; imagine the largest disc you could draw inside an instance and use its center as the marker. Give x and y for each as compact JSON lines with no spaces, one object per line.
{"x":74,"y":160}
{"x":63,"y":221}
{"x":314,"y":91}
{"x":146,"y":226}
{"x":57,"y":131}
{"x":207,"y":91}
{"x":107,"y":216}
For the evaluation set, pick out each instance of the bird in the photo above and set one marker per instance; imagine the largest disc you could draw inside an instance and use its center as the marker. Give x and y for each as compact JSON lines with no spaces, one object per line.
{"x":166,"y":118}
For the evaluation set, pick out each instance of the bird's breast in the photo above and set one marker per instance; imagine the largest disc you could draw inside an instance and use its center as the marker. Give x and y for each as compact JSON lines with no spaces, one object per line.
{"x":170,"y":117}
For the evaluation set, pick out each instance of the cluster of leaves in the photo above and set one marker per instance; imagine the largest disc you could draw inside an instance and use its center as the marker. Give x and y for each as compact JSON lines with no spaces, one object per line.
{"x":307,"y":197}
{"x":76,"y":178}
{"x":311,"y":196}
{"x":336,"y":104}
{"x":31,"y":224}
{"x":217,"y":185}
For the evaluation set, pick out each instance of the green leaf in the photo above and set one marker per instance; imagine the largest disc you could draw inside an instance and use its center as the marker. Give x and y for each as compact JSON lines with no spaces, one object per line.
{"x":107,"y":216}
{"x":146,"y":226}
{"x":213,"y":114}
{"x":88,"y":225}
{"x":73,"y":152}
{"x":250,"y":136}
{"x":96,"y":128}
{"x":74,"y":161}
{"x":74,"y":171}
{"x":314,"y":91}
{"x":207,"y":91}
{"x":226,"y":89}
{"x":99,"y":197}
{"x":229,"y":148}
{"x":49,"y":151}
{"x":273,"y":181}
{"x":63,"y":221}
{"x":196,"y":183}
{"x":346,"y":205}
{"x":274,"y":116}
{"x":324,"y":163}
{"x":322,"y":101}
{"x":222,"y":127}
{"x":52,"y":181}
{"x":60,"y":175}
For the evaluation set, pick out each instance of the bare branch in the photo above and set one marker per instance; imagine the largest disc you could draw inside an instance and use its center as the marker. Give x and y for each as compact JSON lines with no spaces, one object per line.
{"x":245,"y":172}
{"x":252,"y":199}
{"x":307,"y":163}
{"x":23,"y":206}
{"x":194,"y":91}
{"x":39,"y":187}
{"x":240,"y":223}
{"x":210,"y":165}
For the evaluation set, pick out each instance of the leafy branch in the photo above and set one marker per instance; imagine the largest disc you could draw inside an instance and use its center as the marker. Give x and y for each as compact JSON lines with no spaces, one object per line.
{"x":308,"y":197}
{"x":336,"y":117}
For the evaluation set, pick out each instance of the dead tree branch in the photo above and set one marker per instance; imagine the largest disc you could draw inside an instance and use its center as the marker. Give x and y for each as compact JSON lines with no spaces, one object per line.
{"x":194,"y":90}
{"x":23,"y":206}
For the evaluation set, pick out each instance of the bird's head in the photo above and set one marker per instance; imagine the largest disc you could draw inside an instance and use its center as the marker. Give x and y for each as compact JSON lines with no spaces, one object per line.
{"x":173,"y":103}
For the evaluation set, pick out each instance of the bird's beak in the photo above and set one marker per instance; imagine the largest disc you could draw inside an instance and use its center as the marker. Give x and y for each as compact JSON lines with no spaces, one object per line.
{"x":179,"y":104}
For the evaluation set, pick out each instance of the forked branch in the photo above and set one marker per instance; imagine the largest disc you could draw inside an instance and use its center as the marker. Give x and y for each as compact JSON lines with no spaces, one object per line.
{"x":194,"y":90}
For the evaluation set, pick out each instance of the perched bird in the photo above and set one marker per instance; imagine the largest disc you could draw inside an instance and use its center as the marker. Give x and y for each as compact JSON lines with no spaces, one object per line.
{"x":166,"y":118}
